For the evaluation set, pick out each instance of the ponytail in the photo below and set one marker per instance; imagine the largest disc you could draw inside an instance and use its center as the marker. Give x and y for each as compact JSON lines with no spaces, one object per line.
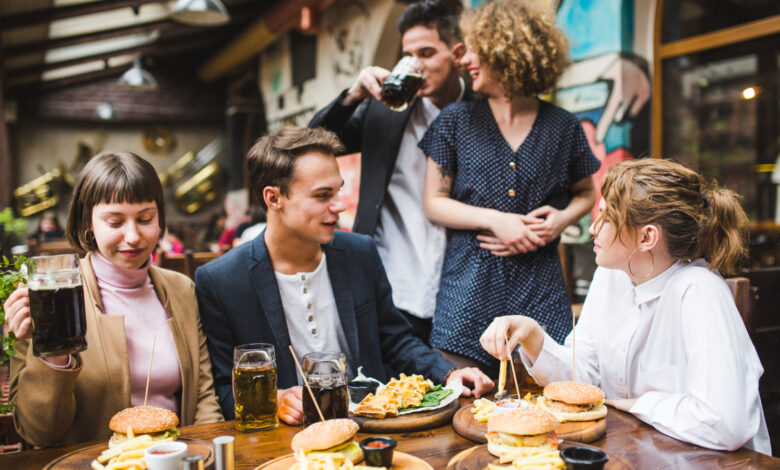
{"x":698,"y":220}
{"x":724,"y":231}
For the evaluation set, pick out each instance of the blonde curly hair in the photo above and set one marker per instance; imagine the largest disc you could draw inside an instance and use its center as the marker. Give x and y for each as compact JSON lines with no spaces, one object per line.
{"x":521,"y":45}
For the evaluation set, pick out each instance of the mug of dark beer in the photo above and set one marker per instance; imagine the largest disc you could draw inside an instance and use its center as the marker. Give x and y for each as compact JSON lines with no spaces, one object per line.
{"x":56,"y":305}
{"x":254,"y":387}
{"x":406,"y":79}
{"x":326,"y":374}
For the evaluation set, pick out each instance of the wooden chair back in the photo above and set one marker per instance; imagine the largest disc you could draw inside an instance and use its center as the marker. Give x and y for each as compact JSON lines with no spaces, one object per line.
{"x":56,"y":247}
{"x":177,"y":262}
{"x":199,"y":258}
{"x":744,"y":296}
{"x":186,"y":263}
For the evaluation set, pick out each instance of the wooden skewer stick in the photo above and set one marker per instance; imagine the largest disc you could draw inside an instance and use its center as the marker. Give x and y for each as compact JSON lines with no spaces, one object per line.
{"x":306,"y":382}
{"x":512,"y":365}
{"x":573,"y":342}
{"x":149,"y":373}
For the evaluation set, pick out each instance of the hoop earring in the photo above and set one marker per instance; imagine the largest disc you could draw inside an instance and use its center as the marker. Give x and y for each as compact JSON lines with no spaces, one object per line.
{"x":652,"y":265}
{"x":88,"y":237}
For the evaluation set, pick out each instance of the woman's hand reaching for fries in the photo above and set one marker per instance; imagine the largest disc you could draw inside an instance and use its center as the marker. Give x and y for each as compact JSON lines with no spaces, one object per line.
{"x":519,"y":330}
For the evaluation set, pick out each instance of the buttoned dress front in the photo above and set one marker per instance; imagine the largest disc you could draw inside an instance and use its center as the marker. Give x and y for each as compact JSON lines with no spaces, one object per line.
{"x":477,"y":286}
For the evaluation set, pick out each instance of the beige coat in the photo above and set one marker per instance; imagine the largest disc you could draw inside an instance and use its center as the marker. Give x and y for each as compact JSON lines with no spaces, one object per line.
{"x":58,"y":407}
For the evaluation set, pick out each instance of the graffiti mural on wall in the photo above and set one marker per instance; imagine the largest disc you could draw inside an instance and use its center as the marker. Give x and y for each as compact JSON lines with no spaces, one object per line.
{"x":607,"y":86}
{"x":348,"y":33}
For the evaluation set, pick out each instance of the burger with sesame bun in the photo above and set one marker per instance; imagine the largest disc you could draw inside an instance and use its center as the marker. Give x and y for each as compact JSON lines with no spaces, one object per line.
{"x":574,"y":401}
{"x":159,"y":423}
{"x":522,"y":432}
{"x":330,"y":436}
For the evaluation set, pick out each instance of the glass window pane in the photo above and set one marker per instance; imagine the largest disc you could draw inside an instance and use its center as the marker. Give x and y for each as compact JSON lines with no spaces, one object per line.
{"x":685,"y":18}
{"x":720,"y":116}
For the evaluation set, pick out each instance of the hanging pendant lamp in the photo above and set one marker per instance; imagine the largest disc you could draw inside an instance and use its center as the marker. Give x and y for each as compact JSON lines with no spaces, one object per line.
{"x":200,"y":12}
{"x":105,"y":111}
{"x":138,"y":77}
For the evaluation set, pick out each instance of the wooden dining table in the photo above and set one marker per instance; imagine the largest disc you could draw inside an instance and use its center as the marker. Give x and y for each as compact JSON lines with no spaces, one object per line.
{"x":627,"y":437}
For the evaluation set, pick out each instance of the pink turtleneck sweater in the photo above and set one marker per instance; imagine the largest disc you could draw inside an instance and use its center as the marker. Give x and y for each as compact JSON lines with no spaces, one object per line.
{"x":130,"y":292}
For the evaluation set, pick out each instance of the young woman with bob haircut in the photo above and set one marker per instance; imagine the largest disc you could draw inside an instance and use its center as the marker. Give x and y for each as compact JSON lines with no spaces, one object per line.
{"x":117,"y":215}
{"x":659,"y":331}
{"x":506,"y":174}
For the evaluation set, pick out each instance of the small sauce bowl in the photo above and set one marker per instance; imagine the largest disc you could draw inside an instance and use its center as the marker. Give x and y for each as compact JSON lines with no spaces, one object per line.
{"x":165,"y":456}
{"x":359,"y":389}
{"x":509,"y":404}
{"x":378,"y":450}
{"x":584,"y":458}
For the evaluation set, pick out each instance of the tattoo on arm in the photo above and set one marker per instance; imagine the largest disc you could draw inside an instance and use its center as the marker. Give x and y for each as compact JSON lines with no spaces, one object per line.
{"x":445,"y":182}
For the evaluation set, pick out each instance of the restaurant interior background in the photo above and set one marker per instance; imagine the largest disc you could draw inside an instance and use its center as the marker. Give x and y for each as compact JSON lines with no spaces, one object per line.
{"x":693,"y":80}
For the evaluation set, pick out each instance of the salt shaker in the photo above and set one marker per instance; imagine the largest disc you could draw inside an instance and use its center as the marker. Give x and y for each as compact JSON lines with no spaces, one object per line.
{"x":224,"y":453}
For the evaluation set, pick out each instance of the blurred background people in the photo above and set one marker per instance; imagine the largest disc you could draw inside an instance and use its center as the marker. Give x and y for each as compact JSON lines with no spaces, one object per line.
{"x":48,"y":228}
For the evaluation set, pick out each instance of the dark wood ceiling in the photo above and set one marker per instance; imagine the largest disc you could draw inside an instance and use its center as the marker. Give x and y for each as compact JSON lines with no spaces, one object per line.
{"x":50,"y":44}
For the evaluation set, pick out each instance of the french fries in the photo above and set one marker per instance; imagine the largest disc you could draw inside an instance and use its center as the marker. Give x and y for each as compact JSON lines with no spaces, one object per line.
{"x":534,"y":459}
{"x":128,"y":455}
{"x":482,"y":408}
{"x":501,"y":378}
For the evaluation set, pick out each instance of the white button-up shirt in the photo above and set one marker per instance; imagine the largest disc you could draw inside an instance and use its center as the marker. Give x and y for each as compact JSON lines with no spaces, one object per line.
{"x":675,"y":342}
{"x":411,"y":246}
{"x":311,"y":314}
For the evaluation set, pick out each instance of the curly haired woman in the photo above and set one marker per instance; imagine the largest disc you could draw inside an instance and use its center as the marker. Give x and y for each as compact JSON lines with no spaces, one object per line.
{"x":506,"y":174}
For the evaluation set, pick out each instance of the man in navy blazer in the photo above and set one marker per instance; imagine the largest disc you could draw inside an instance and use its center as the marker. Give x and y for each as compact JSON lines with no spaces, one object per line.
{"x":392,"y":166}
{"x":304,"y":283}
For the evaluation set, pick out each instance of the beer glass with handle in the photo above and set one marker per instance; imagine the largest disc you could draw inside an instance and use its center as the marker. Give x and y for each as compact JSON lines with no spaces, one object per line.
{"x":254,"y":387}
{"x":56,"y":305}
{"x":326,"y":374}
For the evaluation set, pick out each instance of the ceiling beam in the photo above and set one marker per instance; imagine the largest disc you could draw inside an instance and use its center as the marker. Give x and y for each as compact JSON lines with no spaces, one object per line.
{"x":242,"y":14}
{"x":48,"y":44}
{"x":182,"y":41}
{"x":47,"y":15}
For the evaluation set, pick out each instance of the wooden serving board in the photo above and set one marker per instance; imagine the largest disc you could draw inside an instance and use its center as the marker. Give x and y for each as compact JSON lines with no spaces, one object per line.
{"x":401,"y":461}
{"x":579,"y":431}
{"x":478,"y":457}
{"x":408,"y":422}
{"x":82,"y":458}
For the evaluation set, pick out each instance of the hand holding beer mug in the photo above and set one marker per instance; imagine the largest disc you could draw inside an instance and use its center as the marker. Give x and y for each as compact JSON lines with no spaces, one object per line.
{"x":59,"y":325}
{"x":406,"y":79}
{"x":254,"y":387}
{"x":326,"y":373}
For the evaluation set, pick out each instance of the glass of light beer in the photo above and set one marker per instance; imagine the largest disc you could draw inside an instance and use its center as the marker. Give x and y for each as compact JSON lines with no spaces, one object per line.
{"x":254,"y":387}
{"x":56,"y":305}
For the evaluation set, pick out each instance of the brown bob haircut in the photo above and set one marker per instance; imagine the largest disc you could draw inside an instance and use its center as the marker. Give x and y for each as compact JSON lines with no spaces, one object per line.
{"x":270,"y":162}
{"x":109,"y":178}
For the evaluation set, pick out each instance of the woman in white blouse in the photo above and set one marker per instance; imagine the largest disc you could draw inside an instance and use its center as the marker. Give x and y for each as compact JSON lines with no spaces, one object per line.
{"x":659,"y":331}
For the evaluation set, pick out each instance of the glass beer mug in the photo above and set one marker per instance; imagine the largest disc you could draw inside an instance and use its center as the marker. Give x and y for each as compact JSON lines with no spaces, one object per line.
{"x":404,"y":82}
{"x":326,"y":374}
{"x":254,"y":387}
{"x":56,"y":305}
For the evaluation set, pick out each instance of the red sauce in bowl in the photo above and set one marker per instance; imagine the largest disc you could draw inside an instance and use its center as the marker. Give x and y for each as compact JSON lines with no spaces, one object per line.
{"x":161,"y":452}
{"x":376,"y":445}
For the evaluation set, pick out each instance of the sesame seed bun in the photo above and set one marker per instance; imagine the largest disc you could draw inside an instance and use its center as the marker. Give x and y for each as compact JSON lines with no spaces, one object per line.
{"x":324,"y":435}
{"x":524,"y":422}
{"x":143,"y":420}
{"x":574,"y":393}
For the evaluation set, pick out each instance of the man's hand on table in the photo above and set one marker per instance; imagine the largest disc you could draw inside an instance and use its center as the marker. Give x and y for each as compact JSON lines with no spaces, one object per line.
{"x":291,"y":405}
{"x":479,"y":383}
{"x":622,"y":404}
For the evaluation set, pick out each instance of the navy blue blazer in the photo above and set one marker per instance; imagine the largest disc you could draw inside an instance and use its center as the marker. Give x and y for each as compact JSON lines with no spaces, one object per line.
{"x":239,"y":303}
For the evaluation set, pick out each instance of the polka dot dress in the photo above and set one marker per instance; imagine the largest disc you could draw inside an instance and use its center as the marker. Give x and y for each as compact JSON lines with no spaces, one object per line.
{"x":475,"y":285}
